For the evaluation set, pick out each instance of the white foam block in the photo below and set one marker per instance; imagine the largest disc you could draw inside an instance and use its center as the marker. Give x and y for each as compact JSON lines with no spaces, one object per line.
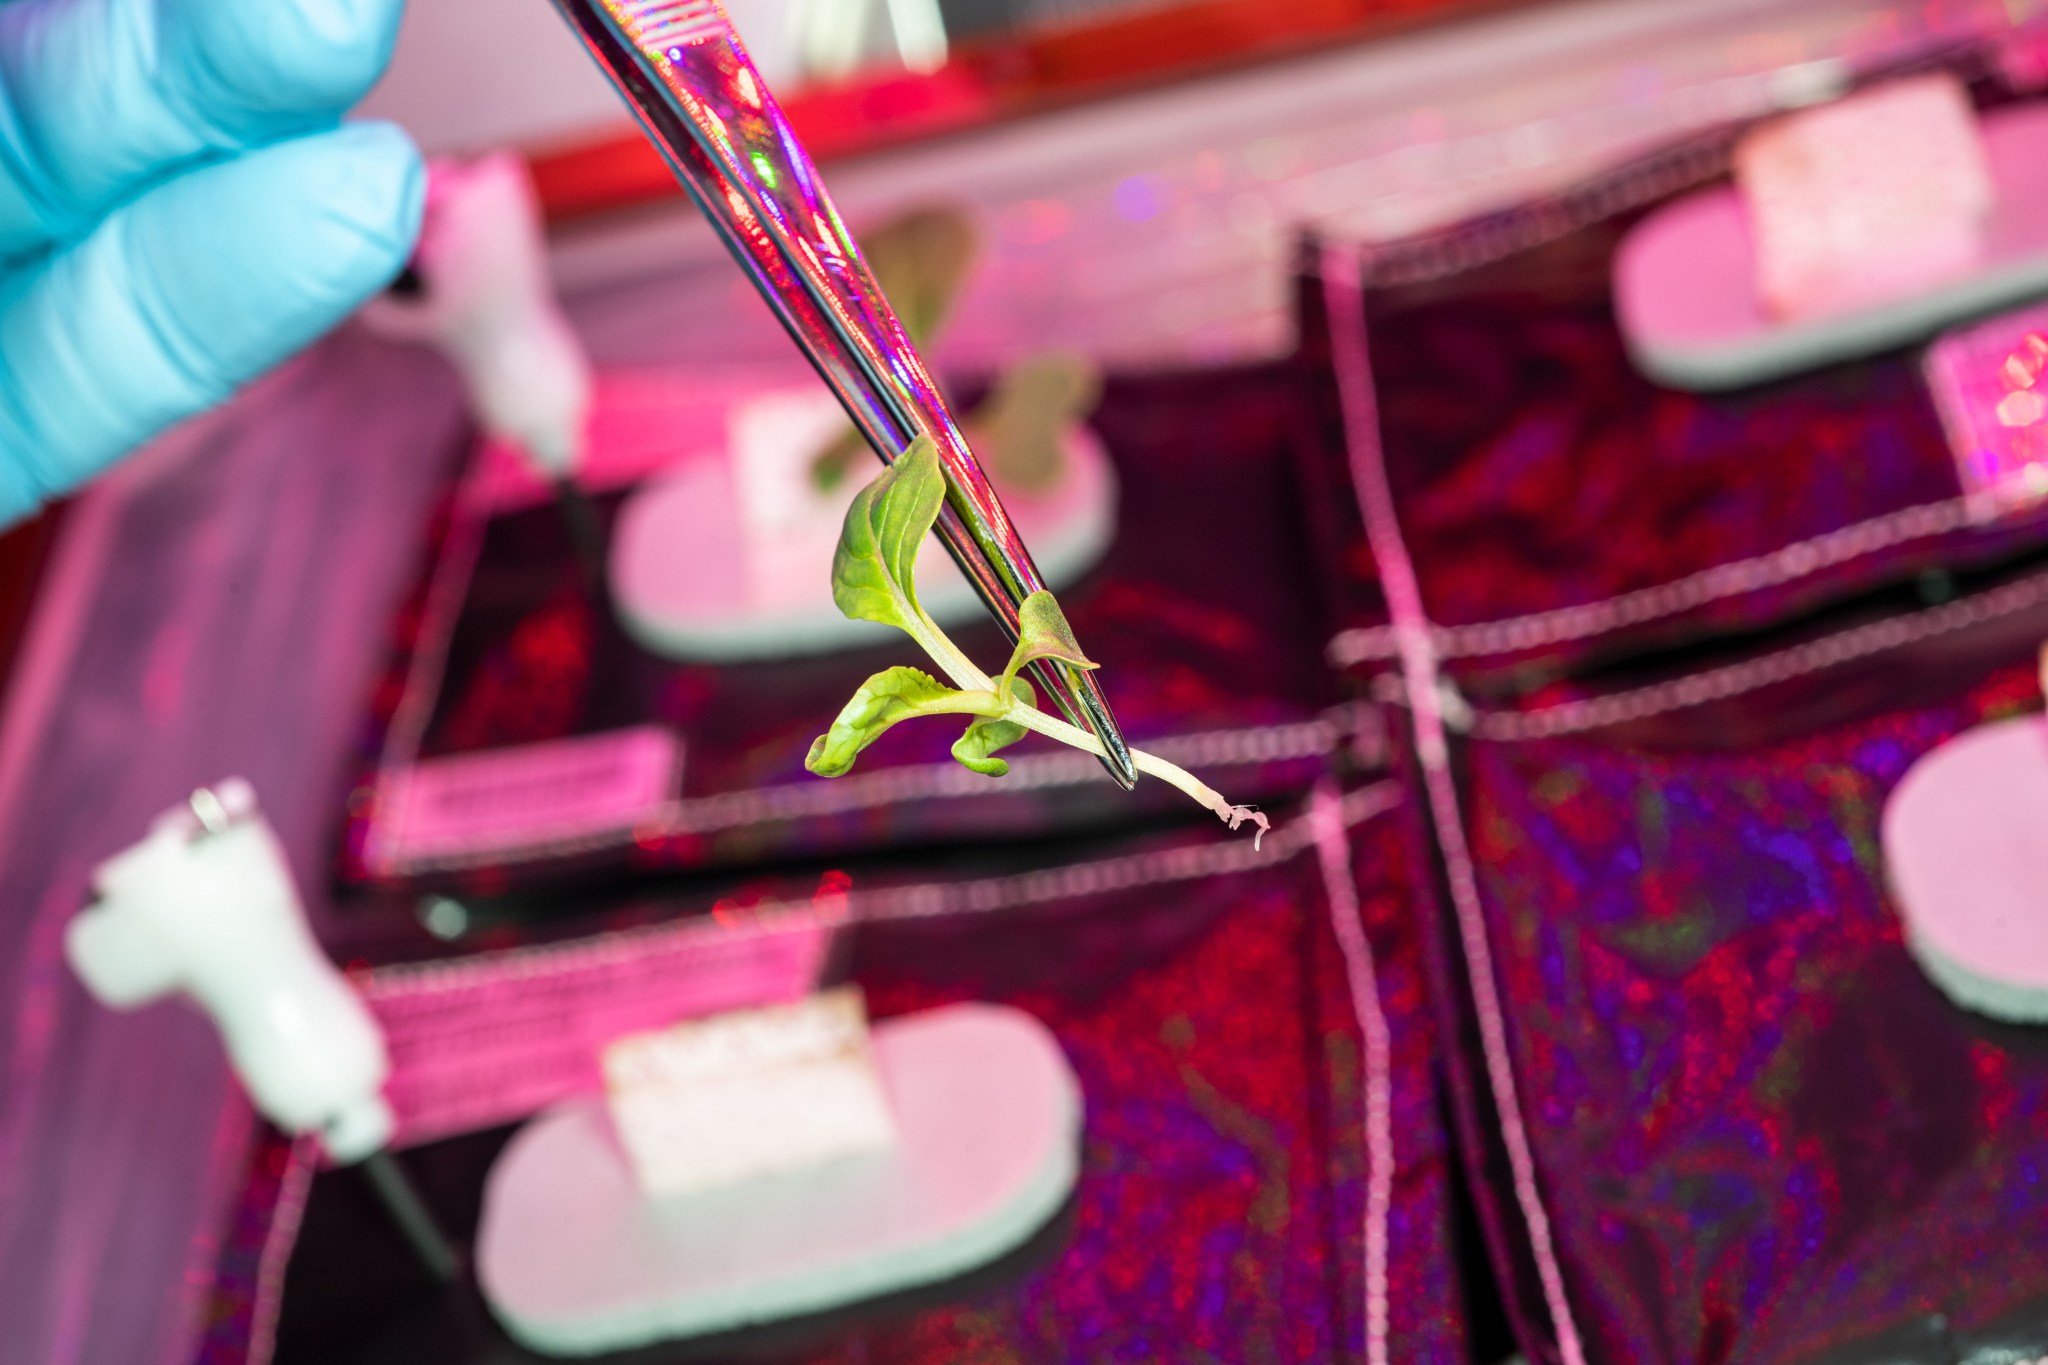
{"x":1878,"y":195}
{"x":1691,"y":308}
{"x":713,"y":1101}
{"x":1966,"y":843}
{"x":575,"y":1259}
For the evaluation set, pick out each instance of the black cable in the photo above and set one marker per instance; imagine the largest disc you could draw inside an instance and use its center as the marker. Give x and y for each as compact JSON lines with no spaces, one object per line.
{"x":586,"y":534}
{"x":422,"y":1233}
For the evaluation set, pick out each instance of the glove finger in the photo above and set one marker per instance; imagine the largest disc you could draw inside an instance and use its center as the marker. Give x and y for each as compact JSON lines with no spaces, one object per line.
{"x":100,"y":98}
{"x":191,"y":291}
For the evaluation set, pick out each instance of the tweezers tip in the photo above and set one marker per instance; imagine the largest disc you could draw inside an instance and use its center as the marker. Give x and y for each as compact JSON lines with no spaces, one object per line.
{"x":1117,"y":759}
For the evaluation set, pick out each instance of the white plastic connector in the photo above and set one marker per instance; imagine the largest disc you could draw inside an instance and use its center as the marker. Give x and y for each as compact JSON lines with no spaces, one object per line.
{"x":487,"y":301}
{"x":206,"y":905}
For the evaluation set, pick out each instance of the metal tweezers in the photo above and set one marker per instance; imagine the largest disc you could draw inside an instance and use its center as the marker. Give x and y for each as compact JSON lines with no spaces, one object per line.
{"x":699,"y":99}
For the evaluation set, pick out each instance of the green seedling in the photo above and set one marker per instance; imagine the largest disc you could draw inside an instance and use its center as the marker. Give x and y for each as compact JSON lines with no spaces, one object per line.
{"x":874,"y":579}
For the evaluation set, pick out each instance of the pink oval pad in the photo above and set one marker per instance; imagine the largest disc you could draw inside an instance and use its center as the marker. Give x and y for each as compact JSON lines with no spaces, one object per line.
{"x":1966,"y":843}
{"x":1691,"y":310}
{"x":574,"y":1260}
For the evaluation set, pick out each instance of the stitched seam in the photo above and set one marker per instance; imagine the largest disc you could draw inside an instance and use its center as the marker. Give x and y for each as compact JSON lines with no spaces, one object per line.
{"x":1719,"y":684}
{"x":458,"y":560}
{"x":1467,"y":246}
{"x":1209,"y":858}
{"x":542,"y":962}
{"x":1213,"y":748}
{"x":1429,"y":258}
{"x":1344,"y":307}
{"x":1789,"y":564}
{"x":923,"y":901}
{"x":1362,"y":983}
{"x":817,"y":798}
{"x":285,"y":1218}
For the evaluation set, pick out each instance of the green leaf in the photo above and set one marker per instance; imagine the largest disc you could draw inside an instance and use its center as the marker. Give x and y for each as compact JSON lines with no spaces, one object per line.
{"x":977,"y":747}
{"x":1042,"y":633}
{"x":873,"y":573}
{"x":836,"y":462}
{"x":893,"y":694}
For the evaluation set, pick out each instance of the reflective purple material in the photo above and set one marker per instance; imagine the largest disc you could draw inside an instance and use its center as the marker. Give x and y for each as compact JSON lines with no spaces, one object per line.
{"x":1768,"y":1135}
{"x":699,"y":99}
{"x":1759,"y":1134}
{"x":1222,"y":1202}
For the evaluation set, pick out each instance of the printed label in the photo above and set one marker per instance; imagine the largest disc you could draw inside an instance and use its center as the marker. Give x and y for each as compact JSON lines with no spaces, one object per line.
{"x":1990,"y":384}
{"x":530,"y":797}
{"x":486,"y":1040}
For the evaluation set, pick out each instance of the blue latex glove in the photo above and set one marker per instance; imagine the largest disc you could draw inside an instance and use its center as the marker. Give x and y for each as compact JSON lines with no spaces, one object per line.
{"x":180,"y":209}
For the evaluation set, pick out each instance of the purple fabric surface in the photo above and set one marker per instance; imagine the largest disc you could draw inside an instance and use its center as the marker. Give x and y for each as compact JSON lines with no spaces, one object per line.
{"x":1537,"y":472}
{"x":1221,"y":1208}
{"x":1758,"y":1134}
{"x":1536,"y":469}
{"x":219,"y":605}
{"x":1764,"y":1133}
{"x":1222,"y":1199}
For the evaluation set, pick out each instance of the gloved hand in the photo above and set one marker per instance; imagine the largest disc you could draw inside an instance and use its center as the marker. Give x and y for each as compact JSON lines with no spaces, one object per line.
{"x":180,"y":209}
